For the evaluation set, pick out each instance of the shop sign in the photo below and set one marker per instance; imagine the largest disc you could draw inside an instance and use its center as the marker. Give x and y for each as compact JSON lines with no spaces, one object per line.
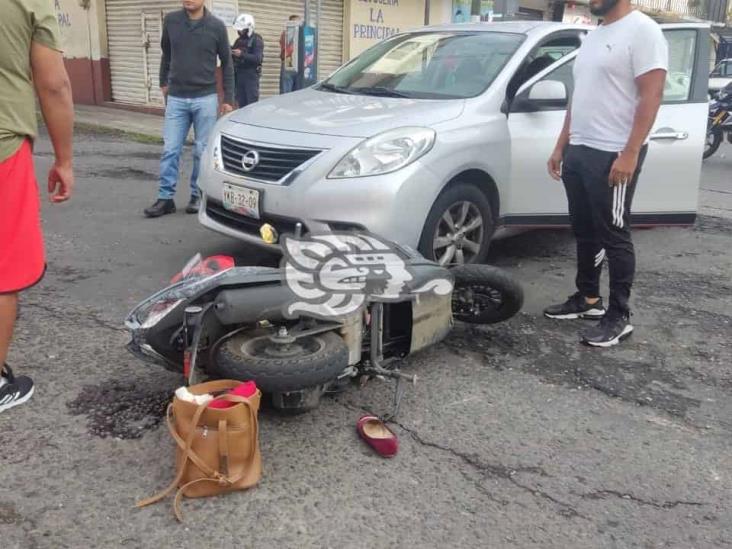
{"x":371,"y":21}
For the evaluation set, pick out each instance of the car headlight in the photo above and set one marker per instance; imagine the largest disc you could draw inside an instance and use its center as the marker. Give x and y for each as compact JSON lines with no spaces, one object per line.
{"x":218,"y":159}
{"x":385,"y":153}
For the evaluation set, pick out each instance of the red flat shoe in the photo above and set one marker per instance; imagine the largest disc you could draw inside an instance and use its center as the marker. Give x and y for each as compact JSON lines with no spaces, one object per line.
{"x":377,"y":435}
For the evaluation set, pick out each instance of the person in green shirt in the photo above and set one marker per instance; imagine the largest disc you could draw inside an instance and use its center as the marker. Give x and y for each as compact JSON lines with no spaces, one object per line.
{"x":30,"y":58}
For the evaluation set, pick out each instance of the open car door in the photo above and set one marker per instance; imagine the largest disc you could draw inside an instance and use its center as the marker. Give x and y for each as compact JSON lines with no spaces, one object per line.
{"x":668,"y":188}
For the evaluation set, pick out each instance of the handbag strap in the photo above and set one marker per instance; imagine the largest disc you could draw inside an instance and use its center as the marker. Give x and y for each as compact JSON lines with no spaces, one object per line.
{"x":221,"y":476}
{"x":186,"y":447}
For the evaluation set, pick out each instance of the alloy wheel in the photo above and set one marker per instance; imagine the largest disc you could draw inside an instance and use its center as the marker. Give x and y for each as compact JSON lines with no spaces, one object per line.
{"x":459,"y":234}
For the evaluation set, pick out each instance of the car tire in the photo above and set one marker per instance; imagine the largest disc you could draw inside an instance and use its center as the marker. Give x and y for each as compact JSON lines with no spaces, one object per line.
{"x":485,"y":294}
{"x":251,"y":355}
{"x":450,"y":203}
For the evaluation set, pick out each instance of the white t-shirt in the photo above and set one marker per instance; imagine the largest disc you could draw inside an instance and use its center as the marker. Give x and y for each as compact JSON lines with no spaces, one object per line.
{"x":605,"y":93}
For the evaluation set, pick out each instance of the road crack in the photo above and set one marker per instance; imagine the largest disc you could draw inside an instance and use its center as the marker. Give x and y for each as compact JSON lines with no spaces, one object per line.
{"x":491,"y":470}
{"x":605,"y":494}
{"x":73,"y":315}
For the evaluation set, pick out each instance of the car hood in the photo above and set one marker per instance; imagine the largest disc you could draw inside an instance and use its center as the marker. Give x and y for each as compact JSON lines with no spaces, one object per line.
{"x":329,"y":113}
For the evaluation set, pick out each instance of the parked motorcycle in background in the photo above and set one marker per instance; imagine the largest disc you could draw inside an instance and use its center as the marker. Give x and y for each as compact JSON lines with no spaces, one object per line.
{"x":720,"y":121}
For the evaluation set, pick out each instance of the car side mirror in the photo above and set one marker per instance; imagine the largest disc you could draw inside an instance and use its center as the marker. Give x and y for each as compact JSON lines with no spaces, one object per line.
{"x":549,"y":93}
{"x":544,"y":95}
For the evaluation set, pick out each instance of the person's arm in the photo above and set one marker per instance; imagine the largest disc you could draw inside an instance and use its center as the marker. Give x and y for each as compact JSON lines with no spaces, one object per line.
{"x":282,"y":46}
{"x":165,"y":59}
{"x":54,"y":95}
{"x":649,"y":59}
{"x":555,"y":160}
{"x":227,"y":69}
{"x":650,"y":91}
{"x":254,"y":59}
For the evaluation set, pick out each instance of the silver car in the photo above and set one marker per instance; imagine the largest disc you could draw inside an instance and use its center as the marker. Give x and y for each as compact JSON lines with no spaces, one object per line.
{"x":438,"y":138}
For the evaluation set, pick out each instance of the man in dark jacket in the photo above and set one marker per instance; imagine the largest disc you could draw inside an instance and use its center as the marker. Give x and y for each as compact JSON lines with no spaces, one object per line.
{"x":248,"y":54}
{"x":192,"y":41}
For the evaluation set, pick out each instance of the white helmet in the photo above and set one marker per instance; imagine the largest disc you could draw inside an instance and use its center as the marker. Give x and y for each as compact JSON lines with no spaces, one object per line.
{"x":243,"y":22}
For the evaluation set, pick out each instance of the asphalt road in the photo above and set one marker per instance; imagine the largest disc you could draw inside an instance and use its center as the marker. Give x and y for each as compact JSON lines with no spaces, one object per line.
{"x":515,"y":436}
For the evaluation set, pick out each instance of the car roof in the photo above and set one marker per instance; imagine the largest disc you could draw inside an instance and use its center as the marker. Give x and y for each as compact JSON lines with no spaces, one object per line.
{"x":516,"y":27}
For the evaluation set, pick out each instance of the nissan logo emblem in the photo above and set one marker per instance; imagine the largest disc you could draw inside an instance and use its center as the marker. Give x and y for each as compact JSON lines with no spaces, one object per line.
{"x":249,"y":161}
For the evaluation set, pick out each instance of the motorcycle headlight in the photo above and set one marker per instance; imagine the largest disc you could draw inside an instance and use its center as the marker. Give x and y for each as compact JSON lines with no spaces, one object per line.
{"x":385,"y":153}
{"x":159,"y":312}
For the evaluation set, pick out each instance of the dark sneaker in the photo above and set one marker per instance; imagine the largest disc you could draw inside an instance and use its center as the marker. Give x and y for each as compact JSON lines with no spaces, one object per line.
{"x":161,"y":207}
{"x":193,"y":205}
{"x":575,"y":307}
{"x":610,"y":331}
{"x":14,"y":390}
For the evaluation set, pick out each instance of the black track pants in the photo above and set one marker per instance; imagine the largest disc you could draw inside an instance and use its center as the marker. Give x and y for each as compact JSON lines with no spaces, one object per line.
{"x":600,"y":216}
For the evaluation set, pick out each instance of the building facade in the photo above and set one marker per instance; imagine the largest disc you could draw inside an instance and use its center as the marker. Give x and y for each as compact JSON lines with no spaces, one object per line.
{"x":112,"y":47}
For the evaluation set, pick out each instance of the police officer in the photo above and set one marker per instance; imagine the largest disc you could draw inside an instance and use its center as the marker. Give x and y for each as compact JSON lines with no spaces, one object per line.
{"x":248,"y":53}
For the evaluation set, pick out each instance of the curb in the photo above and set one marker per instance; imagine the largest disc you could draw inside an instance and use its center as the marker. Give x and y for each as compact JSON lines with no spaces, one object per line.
{"x":139,"y":137}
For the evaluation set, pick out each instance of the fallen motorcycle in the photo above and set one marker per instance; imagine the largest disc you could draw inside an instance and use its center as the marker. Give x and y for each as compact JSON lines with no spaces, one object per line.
{"x":340,"y":307}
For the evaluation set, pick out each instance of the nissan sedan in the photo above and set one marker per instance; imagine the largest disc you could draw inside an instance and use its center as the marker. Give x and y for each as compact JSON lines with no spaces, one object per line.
{"x":439,"y":138}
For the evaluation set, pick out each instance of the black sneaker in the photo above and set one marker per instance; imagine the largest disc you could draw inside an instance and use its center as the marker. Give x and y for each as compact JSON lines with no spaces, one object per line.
{"x":161,"y":207}
{"x":193,"y":205}
{"x":611,"y":330}
{"x":575,"y":307}
{"x":14,"y":390}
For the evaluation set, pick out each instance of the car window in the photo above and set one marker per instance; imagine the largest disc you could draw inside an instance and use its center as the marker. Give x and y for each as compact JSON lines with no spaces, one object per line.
{"x":428,"y":65}
{"x":681,"y":58}
{"x":541,"y":57}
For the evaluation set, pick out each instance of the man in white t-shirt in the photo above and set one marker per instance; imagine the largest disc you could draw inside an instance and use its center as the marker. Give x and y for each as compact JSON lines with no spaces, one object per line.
{"x":619,"y":77}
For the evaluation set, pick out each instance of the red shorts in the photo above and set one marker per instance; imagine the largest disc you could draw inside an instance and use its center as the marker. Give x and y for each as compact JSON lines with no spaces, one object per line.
{"x":22,"y":256}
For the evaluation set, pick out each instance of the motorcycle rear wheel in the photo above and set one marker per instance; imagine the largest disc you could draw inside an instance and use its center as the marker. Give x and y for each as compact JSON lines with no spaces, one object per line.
{"x":485,"y":295}
{"x":713,"y":141}
{"x":278,"y":368}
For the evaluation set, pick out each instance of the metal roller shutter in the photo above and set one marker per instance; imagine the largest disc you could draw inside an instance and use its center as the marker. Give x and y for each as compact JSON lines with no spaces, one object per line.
{"x":330,"y":35}
{"x":134,"y":30}
{"x":270,"y":18}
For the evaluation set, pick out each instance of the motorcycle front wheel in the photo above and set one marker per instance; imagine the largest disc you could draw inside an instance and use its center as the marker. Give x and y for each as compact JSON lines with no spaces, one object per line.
{"x":484,"y":294}
{"x":714,"y":140}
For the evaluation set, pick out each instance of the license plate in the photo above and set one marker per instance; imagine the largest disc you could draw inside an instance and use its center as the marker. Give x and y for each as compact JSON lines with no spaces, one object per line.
{"x":241,"y":200}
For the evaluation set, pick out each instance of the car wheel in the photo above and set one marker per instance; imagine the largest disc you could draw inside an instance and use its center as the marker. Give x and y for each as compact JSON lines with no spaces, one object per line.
{"x":459,"y":227}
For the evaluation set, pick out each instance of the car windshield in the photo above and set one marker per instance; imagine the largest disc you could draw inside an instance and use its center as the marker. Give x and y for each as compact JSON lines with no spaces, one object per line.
{"x":427,"y":65}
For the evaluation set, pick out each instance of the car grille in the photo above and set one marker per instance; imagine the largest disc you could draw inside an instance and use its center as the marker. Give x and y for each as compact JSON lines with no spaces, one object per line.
{"x":216,"y":211}
{"x":274,"y":162}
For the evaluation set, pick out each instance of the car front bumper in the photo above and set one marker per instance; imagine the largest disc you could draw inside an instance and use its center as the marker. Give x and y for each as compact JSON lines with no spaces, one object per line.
{"x":393,"y":206}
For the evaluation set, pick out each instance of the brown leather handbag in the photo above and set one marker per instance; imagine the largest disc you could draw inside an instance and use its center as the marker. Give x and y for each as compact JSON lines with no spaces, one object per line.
{"x":217,"y":449}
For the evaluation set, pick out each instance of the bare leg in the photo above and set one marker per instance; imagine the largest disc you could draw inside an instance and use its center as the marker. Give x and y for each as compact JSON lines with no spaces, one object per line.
{"x":8,"y":312}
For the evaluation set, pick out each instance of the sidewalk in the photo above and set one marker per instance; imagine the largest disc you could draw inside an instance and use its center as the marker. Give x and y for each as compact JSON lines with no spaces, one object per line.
{"x":148,"y":127}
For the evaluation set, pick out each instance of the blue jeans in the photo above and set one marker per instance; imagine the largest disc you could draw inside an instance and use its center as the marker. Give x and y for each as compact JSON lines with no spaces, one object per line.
{"x":180,"y":114}
{"x":288,"y":80}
